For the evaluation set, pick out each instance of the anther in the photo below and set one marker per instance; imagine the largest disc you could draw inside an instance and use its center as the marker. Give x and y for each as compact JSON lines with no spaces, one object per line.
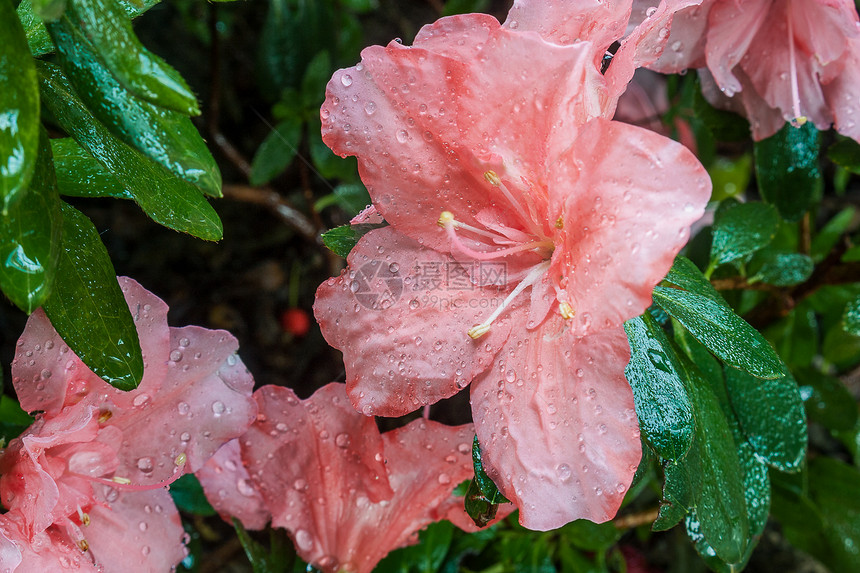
{"x":83,"y":516}
{"x":559,"y":223}
{"x":83,"y":545}
{"x":445,"y":219}
{"x":478,"y":331}
{"x":565,"y":310}
{"x":121,"y":480}
{"x":105,"y":416}
{"x":180,"y":459}
{"x":492,"y":178}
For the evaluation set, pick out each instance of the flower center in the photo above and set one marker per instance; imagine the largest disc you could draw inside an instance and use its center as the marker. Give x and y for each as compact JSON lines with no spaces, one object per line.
{"x":510,"y":242}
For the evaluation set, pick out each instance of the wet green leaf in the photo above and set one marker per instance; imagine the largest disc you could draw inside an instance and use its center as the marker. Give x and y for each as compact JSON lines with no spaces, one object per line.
{"x":277,"y":151}
{"x":276,"y":558}
{"x":827,"y":400}
{"x":722,"y":332}
{"x":80,"y":175}
{"x":687,"y":275}
{"x":167,"y":137}
{"x":741,"y":229}
{"x":771,"y":416}
{"x":485,"y":485}
{"x":590,"y":536}
{"x":453,"y":7}
{"x":784,"y":269}
{"x":351,"y":197}
{"x":796,"y":337}
{"x":787,"y":169}
{"x":19,"y":110}
{"x":30,"y":233}
{"x":730,"y":177}
{"x":168,"y":200}
{"x":317,"y":76}
{"x":108,"y":29}
{"x":88,"y":309}
{"x":662,"y":406}
{"x":341,"y":240}
{"x":851,"y":317}
{"x":841,"y":348}
{"x":721,"y":508}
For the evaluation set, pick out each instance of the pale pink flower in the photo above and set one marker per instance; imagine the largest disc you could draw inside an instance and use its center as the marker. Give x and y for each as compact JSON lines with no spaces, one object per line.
{"x":90,"y":472}
{"x":347,"y":494}
{"x":784,"y":60}
{"x":555,"y":225}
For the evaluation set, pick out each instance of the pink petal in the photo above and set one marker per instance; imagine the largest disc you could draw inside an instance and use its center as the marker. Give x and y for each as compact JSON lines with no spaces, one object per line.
{"x":627,"y":214}
{"x":47,"y":376}
{"x":596,"y":21}
{"x":304,"y":455}
{"x":137,"y":532}
{"x":205,"y":400}
{"x":10,"y":554}
{"x":686,"y":42}
{"x":768,"y":66}
{"x":823,"y":30}
{"x":229,"y":488}
{"x":645,"y":44}
{"x":842,"y":96}
{"x":454,"y":510}
{"x":427,"y":121}
{"x":732,"y":26}
{"x":414,"y":350}
{"x":557,"y":426}
{"x":42,"y":551}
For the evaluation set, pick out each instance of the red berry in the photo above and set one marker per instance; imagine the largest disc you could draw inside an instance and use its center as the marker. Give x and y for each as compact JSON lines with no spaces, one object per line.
{"x":295,"y":321}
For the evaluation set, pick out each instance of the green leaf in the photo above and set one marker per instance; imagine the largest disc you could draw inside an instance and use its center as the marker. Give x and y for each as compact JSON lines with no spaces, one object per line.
{"x":109,"y":31}
{"x":30,"y":233}
{"x":424,"y":557}
{"x":168,"y":200}
{"x":841,"y":348}
{"x":846,"y":154}
{"x":351,"y":197}
{"x":13,"y":420}
{"x":590,"y":536}
{"x":49,"y":9}
{"x":485,"y":485}
{"x":796,"y":337}
{"x":167,"y":137}
{"x":830,"y":234}
{"x":88,"y":309}
{"x":341,"y":240}
{"x":662,"y":406}
{"x":784,"y":269}
{"x":277,"y":151}
{"x":851,"y":317}
{"x":826,"y":523}
{"x":478,"y":507}
{"x":721,"y":509}
{"x":453,"y":7}
{"x":730,"y":177}
{"x":317,"y":75}
{"x":685,"y":274}
{"x":188,"y":495}
{"x":771,"y":416}
{"x":80,"y":175}
{"x":19,"y":110}
{"x":276,"y":559}
{"x":827,"y":400}
{"x":722,"y":332}
{"x":787,"y":169}
{"x":741,"y":229}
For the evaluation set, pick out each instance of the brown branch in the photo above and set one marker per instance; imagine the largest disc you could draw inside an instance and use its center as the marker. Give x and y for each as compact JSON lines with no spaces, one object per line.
{"x":277,"y":204}
{"x":805,"y":244}
{"x":636,"y":519}
{"x":218,"y":558}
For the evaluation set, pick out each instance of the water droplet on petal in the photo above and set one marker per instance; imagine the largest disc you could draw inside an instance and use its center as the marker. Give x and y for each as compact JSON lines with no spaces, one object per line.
{"x":144,"y":464}
{"x":218,"y":408}
{"x":304,"y":540}
{"x":346,"y":80}
{"x":244,"y":487}
{"x":342,"y":440}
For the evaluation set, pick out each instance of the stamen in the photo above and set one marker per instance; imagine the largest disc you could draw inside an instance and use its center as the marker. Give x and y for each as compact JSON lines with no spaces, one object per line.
{"x":532,"y":277}
{"x":493,"y":178}
{"x":181,"y":459}
{"x":559,"y":223}
{"x":83,"y":545}
{"x":795,"y":92}
{"x":83,"y":516}
{"x":450,"y":226}
{"x":447,"y":218}
{"x":105,"y":416}
{"x":565,"y":310}
{"x":120,"y":480}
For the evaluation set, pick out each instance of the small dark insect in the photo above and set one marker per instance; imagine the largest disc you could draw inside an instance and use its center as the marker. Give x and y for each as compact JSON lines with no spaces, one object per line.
{"x":607,"y":57}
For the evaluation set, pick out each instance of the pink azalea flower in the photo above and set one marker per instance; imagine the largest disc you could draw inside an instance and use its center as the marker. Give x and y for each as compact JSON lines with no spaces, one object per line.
{"x":788,"y":60}
{"x":555,"y":225}
{"x":347,"y":494}
{"x":90,"y":472}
